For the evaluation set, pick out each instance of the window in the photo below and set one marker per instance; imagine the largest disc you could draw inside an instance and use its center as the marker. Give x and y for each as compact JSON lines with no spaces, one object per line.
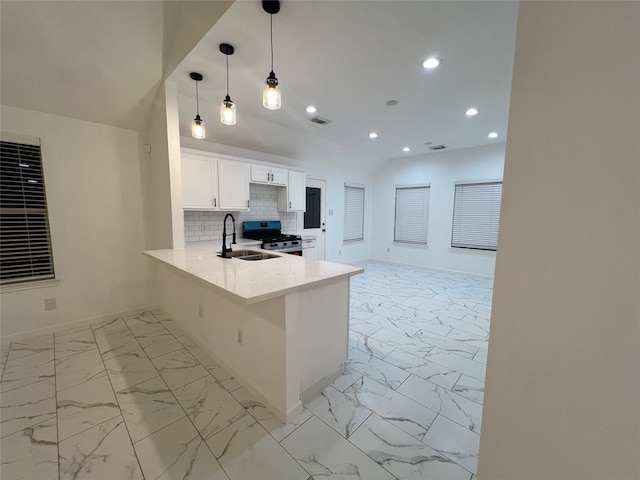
{"x":353,"y":213}
{"x":25,"y":244}
{"x":412,"y":215}
{"x":476,"y":215}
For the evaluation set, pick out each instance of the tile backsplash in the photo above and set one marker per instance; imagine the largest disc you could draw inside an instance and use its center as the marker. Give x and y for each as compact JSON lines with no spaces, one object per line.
{"x":203,"y":226}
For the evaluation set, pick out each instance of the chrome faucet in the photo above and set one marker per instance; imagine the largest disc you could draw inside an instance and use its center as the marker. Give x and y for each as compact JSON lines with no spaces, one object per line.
{"x":225,"y":250}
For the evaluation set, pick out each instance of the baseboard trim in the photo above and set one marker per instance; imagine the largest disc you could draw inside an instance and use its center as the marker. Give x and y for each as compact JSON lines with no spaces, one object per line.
{"x":74,"y":324}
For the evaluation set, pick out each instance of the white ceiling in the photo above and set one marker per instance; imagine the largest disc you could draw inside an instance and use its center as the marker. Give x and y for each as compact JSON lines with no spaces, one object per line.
{"x":348,"y":58}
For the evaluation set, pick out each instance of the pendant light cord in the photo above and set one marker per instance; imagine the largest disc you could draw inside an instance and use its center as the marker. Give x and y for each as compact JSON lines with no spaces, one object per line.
{"x":271,"y":28}
{"x":227,"y":75}
{"x":197,"y":100}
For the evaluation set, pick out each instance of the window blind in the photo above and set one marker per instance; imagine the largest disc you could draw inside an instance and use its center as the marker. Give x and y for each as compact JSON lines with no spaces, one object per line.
{"x":412,"y":215}
{"x":353,"y":213}
{"x":476,"y":215}
{"x":25,"y":244}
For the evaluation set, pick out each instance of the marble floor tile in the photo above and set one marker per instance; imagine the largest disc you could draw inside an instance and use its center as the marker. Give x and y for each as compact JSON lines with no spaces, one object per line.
{"x":470,"y":388}
{"x":447,"y":344}
{"x":340,"y":412}
{"x":225,"y":379}
{"x":177,"y":452}
{"x":31,"y":346}
{"x":143,"y":324}
{"x":129,"y":369}
{"x":402,"y":342}
{"x":268,"y":420}
{"x":209,"y":406}
{"x":363,"y":327}
{"x":147,"y":407}
{"x":208,"y":363}
{"x":469,"y":338}
{"x":455,"y":442}
{"x":26,"y":406}
{"x":424,"y":368}
{"x":86,"y":405}
{"x":377,"y":369}
{"x":175,"y":329}
{"x":77,"y":369}
{"x":369,"y":345}
{"x":456,"y":362}
{"x":389,"y":323}
{"x":31,"y":453}
{"x":4,"y":354}
{"x":27,"y":369}
{"x":102,"y":452}
{"x":158,"y":343}
{"x":117,"y":342}
{"x":191,"y":345}
{"x":106,"y":327}
{"x":459,"y":409}
{"x":348,"y":377}
{"x":74,"y":341}
{"x":178,"y":368}
{"x":323,"y":453}
{"x":481,"y":356}
{"x":421,"y":321}
{"x":402,"y":455}
{"x":247,"y":452}
{"x":404,"y":413}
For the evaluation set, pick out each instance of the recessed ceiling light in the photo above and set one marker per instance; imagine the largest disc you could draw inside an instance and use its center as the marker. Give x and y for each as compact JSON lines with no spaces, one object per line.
{"x":373,"y":135}
{"x":431,"y":62}
{"x":406,"y":149}
{"x":471,"y":112}
{"x":493,"y":135}
{"x":391,"y":103}
{"x":311,"y":109}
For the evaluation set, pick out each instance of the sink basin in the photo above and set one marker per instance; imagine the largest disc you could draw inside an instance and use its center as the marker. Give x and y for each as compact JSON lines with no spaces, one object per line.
{"x":251,"y":255}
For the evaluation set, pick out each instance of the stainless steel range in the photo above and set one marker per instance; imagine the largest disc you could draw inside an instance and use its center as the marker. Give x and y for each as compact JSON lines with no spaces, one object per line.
{"x":270,"y":233}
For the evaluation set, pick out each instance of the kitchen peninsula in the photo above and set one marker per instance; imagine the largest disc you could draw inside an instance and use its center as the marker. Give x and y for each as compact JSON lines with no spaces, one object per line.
{"x":279,"y":325}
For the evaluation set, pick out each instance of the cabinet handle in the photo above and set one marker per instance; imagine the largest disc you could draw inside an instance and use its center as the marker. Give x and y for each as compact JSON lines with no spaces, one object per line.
{"x":215,"y":204}
{"x":247,"y":203}
{"x":289,"y":204}
{"x":272,"y":177}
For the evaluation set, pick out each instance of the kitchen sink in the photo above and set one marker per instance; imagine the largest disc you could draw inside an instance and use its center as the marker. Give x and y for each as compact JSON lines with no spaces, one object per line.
{"x":251,"y":255}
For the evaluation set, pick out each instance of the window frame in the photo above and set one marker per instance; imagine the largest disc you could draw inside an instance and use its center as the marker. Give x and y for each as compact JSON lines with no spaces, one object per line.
{"x":360,"y":213}
{"x":488,"y":227}
{"x":27,"y":249}
{"x":416,"y":243}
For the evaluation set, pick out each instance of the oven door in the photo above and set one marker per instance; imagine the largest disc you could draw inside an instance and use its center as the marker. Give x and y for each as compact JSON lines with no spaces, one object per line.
{"x":290,"y":249}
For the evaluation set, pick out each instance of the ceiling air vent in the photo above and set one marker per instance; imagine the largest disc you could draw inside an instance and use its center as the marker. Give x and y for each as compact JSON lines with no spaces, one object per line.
{"x":319,"y":120}
{"x":437,"y":147}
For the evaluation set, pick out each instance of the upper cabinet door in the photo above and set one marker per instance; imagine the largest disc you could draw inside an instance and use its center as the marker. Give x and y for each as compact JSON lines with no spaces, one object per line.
{"x":199,"y":182}
{"x":233,"y":185}
{"x":297,"y":191}
{"x":260,"y":174}
{"x":279,"y":176}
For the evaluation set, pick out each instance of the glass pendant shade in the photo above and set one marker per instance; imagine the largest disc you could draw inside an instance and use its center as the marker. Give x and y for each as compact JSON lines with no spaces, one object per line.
{"x":271,"y":96}
{"x":197,"y":128}
{"x":228,"y":111}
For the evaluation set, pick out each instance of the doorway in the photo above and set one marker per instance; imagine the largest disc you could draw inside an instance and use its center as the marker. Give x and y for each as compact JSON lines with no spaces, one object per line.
{"x":314,"y":217}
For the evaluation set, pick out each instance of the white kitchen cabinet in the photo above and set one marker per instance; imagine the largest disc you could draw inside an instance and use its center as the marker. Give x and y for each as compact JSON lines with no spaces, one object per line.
{"x":294,"y":197}
{"x":269,"y":175}
{"x":199,"y":182}
{"x":233,"y":185}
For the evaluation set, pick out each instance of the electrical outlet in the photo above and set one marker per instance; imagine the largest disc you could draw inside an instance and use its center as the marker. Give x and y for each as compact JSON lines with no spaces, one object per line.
{"x":203,"y":226}
{"x":200,"y":310}
{"x":50,"y":304}
{"x":240,"y":337}
{"x":339,"y":252}
{"x":388,"y":249}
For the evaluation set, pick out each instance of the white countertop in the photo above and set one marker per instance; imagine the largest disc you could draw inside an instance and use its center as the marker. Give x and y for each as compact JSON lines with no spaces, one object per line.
{"x":251,"y":282}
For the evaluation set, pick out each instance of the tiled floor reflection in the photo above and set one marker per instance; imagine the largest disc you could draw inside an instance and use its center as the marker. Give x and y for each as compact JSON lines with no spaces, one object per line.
{"x":135,"y":397}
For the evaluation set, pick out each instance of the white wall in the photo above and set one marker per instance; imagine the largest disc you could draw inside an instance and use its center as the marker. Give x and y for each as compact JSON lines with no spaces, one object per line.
{"x":336,"y":251}
{"x":562,"y":397}
{"x":93,"y":184}
{"x":441,"y":170}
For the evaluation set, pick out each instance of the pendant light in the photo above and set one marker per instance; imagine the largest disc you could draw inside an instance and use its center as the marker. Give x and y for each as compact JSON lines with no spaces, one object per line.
{"x":271,"y":97}
{"x":228,"y":108}
{"x":197,"y":127}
